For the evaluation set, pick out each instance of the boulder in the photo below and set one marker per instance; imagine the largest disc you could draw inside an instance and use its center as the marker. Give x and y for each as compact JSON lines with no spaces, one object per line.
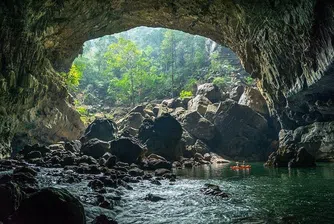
{"x":236,"y":93}
{"x":128,"y":150}
{"x":242,"y":132}
{"x":198,"y":126}
{"x":132,"y":120}
{"x":214,"y":190}
{"x":73,"y":146}
{"x":11,"y":197}
{"x":289,"y":156}
{"x":103,"y":219}
{"x":173,"y":103}
{"x":199,"y":104}
{"x":37,"y":147}
{"x":52,"y":206}
{"x":153,"y":198}
{"x":95,"y":148}
{"x":136,"y":172}
{"x":210,"y":91}
{"x":162,"y":136}
{"x":102,"y":128}
{"x":253,"y":98}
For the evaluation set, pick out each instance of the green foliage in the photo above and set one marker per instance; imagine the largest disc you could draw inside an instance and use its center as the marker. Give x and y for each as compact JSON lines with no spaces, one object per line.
{"x":146,"y":64}
{"x":249,"y":80}
{"x":82,"y":111}
{"x":72,"y":78}
{"x":221,"y":82}
{"x":185,"y":94}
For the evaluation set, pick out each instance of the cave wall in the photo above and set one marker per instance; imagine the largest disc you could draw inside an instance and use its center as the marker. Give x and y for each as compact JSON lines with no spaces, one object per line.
{"x":287,"y":45}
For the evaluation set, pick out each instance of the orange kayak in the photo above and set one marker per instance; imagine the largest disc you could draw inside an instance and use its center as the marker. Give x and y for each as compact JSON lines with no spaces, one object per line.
{"x":241,"y":167}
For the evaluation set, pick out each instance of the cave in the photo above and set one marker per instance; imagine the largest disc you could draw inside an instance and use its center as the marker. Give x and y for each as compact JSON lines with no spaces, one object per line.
{"x":286,"y":45}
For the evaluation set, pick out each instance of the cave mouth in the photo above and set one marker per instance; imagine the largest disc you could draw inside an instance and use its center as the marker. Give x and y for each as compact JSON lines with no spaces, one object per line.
{"x":147,"y":64}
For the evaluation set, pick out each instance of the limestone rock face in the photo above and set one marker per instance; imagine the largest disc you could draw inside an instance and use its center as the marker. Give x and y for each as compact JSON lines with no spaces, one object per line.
{"x":243,"y":132}
{"x":317,"y":139}
{"x":291,"y":157}
{"x":252,"y":98}
{"x":210,"y":91}
{"x":287,"y":46}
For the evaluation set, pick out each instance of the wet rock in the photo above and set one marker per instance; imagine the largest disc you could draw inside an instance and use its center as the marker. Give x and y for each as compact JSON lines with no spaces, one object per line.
{"x":33,"y":155}
{"x":199,"y":104}
{"x":161,"y":172}
{"x":102,"y":128}
{"x":153,"y":198}
{"x":188,"y":164}
{"x":95,"y":148}
{"x":155,"y":163}
{"x":155,"y":181}
{"x":73,"y":146}
{"x":162,"y":136}
{"x":210,"y":91}
{"x":103,"y":219}
{"x":253,"y":98}
{"x":111,"y":162}
{"x":25,"y":169}
{"x":198,"y":126}
{"x":127,"y":150}
{"x":86,"y":159}
{"x":214,"y":190}
{"x":30,"y":148}
{"x":52,"y":206}
{"x":96,"y":184}
{"x":11,"y":197}
{"x":136,"y":172}
{"x":68,"y":160}
{"x":236,"y":93}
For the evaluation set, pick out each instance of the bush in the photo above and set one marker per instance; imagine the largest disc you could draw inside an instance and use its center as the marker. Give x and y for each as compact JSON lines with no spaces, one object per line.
{"x":185,"y":94}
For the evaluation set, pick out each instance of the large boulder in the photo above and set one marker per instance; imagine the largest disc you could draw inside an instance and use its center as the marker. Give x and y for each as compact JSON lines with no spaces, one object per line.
{"x":172,"y":103}
{"x":290,"y":156}
{"x":243,"y":132}
{"x":210,"y":91}
{"x":52,"y":206}
{"x":11,"y":197}
{"x":198,"y":126}
{"x":128,"y":150}
{"x":101,"y":128}
{"x":131,"y":121}
{"x":253,"y":98}
{"x":199,"y":104}
{"x":95,"y":148}
{"x":162,"y":136}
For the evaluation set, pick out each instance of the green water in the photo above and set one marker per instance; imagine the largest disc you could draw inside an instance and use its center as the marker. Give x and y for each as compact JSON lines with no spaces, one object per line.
{"x":261,"y":195}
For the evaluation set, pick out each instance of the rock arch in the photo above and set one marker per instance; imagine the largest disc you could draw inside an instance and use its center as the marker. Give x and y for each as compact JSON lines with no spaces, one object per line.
{"x":287,"y":45}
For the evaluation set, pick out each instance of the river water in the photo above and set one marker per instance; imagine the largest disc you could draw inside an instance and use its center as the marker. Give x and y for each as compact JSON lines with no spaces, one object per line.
{"x":261,"y":195}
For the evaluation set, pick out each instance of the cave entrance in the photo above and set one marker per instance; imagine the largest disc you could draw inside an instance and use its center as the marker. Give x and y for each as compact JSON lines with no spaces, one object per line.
{"x":145,"y":65}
